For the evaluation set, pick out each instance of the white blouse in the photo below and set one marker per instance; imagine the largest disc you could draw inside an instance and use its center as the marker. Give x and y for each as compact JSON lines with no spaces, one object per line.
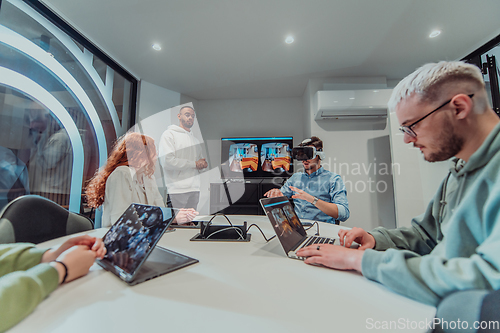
{"x":123,"y":188}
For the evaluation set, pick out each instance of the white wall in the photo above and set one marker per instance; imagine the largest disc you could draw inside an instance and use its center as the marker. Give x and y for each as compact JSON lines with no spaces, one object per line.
{"x":188,"y":99}
{"x":153,"y":99}
{"x":153,"y":116}
{"x":417,"y":181}
{"x":358,"y":150}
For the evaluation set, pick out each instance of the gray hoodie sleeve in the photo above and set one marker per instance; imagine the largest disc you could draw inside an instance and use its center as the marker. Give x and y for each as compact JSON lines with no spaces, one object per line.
{"x":421,"y":237}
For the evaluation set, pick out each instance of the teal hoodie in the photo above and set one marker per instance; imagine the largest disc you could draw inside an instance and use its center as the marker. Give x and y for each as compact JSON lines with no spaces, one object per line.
{"x":458,"y":249}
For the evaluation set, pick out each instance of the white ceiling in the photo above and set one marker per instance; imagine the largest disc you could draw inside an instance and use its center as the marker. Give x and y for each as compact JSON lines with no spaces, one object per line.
{"x":217,"y":49}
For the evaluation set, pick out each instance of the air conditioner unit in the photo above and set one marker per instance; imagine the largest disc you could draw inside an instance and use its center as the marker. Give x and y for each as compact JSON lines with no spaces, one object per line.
{"x":352,"y":104}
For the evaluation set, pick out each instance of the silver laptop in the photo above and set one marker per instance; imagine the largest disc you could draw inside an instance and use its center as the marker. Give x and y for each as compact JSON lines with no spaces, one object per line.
{"x":288,"y":227}
{"x":132,"y":254}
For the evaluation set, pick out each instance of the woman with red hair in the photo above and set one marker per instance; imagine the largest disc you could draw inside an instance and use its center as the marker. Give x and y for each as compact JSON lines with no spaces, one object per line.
{"x":128,"y":178}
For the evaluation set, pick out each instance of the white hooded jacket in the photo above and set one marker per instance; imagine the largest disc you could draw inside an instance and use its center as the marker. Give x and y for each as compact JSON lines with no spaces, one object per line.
{"x":178,"y":152}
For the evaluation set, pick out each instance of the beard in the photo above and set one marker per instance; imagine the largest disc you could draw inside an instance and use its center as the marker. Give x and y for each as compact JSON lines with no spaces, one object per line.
{"x":450,"y":145}
{"x":186,"y":124}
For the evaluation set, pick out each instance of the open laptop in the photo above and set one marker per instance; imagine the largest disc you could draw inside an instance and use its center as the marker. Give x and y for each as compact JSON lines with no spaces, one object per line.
{"x":288,"y":227}
{"x":132,"y":254}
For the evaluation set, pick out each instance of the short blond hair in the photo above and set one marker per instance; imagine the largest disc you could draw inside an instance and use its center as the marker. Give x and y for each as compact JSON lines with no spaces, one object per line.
{"x":430,"y":80}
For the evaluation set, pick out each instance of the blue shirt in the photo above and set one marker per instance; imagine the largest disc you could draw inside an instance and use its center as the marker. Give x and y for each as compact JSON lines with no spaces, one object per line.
{"x":324,"y":185}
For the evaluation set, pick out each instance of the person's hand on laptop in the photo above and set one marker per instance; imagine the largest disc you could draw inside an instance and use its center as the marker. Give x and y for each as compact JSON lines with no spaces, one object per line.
{"x":333,"y":256}
{"x":273,"y":193}
{"x":185,"y":215}
{"x":358,"y":235}
{"x":93,"y":243}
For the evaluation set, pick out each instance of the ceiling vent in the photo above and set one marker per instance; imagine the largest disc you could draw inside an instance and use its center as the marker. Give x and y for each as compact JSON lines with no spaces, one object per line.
{"x":352,"y":104}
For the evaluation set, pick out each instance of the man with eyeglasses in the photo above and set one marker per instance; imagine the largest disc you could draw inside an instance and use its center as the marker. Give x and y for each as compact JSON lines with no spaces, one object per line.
{"x":181,"y":158}
{"x":444,"y":111}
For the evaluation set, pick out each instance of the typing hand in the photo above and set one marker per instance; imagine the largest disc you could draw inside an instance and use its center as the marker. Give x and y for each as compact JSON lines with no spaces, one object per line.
{"x":358,"y":235}
{"x":333,"y":256}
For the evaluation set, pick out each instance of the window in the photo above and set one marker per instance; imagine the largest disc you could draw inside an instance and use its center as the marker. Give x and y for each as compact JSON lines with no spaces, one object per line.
{"x":62,"y":105}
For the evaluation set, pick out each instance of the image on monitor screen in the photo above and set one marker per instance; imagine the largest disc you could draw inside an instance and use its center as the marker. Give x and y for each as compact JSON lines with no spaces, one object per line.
{"x":256,"y":157}
{"x":243,"y":156}
{"x":275,"y":157}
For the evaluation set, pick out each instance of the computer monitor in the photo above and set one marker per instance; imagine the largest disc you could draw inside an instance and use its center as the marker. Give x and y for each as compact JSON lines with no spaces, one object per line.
{"x":256,"y":157}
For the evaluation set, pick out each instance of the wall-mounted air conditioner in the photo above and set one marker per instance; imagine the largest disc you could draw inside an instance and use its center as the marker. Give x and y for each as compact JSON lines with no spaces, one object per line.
{"x":351,"y":104}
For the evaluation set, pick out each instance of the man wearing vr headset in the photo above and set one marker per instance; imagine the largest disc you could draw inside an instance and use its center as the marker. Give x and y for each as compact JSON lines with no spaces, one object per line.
{"x":318,"y":194}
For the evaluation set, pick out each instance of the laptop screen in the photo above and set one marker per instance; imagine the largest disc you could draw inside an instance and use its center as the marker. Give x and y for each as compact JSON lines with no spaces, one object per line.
{"x":134,"y":235}
{"x":285,"y":222}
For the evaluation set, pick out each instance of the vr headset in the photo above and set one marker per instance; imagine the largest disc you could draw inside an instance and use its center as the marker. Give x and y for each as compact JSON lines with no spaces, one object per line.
{"x":306,"y":153}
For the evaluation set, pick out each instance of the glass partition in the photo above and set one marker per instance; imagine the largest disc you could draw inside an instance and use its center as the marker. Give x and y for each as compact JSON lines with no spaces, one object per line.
{"x":62,"y":105}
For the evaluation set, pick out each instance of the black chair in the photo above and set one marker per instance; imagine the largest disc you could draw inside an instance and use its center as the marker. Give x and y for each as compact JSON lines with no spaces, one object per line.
{"x":35,"y":219}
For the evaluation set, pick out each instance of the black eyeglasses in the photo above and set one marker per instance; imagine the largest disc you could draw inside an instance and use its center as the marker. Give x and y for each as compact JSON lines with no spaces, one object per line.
{"x":410,"y":132}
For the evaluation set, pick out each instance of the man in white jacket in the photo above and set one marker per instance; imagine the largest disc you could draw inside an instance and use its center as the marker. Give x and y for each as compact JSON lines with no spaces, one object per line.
{"x":180,"y":156}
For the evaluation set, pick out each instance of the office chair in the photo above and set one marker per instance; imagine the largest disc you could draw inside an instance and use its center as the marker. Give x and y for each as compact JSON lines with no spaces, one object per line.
{"x":35,"y":219}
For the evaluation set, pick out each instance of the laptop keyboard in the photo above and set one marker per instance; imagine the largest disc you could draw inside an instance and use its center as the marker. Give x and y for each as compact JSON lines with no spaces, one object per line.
{"x":315,"y":240}
{"x":318,"y":240}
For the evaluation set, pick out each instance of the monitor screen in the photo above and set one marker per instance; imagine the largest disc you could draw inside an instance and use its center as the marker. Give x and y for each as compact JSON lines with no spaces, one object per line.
{"x":256,"y":157}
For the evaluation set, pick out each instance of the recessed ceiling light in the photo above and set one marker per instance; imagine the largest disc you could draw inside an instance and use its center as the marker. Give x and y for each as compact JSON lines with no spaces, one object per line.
{"x":435,"y":33}
{"x":351,"y":98}
{"x":289,"y":40}
{"x":156,"y":47}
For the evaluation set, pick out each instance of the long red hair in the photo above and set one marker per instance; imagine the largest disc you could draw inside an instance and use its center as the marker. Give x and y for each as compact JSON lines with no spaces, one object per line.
{"x":132,"y":149}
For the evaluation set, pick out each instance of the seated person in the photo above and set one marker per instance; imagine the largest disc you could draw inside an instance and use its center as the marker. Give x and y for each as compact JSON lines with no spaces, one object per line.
{"x":128,"y":178}
{"x":443,"y":109}
{"x":29,"y":274}
{"x":318,"y":194}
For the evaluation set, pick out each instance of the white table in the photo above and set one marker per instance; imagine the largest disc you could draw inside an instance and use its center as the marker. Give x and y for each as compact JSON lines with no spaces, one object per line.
{"x":236,"y":287}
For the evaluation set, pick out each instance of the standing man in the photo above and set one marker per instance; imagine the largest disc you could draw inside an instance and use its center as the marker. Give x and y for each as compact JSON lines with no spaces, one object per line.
{"x":318,"y":194}
{"x":181,"y":158}
{"x":443,"y":110}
